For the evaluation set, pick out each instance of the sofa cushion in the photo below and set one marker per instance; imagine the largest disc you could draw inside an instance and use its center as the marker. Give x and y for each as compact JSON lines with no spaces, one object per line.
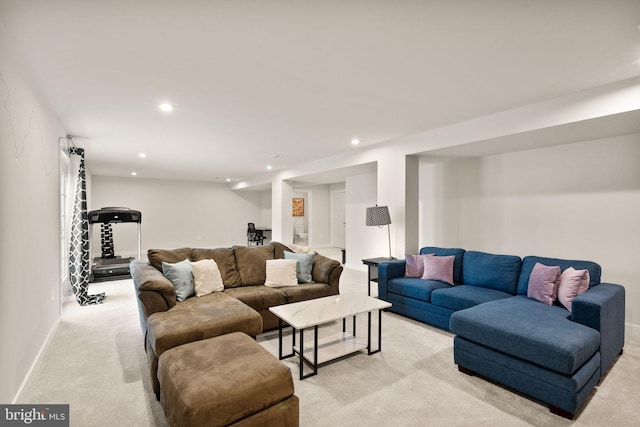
{"x":543,"y":283}
{"x":158,"y":256}
{"x":530,"y":261}
{"x":531,"y":331}
{"x":304,"y":265}
{"x":226,"y":260}
{"x":181,"y":276}
{"x":465,"y":296}
{"x":572,"y":283}
{"x":438,"y":268}
{"x":414,"y":265}
{"x":414,"y":287}
{"x":457,"y":264}
{"x":279,"y":248}
{"x":258,"y":297}
{"x":281,"y":272}
{"x":206,"y":277}
{"x":252,"y":263}
{"x":200,"y":318}
{"x":499,"y":272}
{"x":306,"y":291}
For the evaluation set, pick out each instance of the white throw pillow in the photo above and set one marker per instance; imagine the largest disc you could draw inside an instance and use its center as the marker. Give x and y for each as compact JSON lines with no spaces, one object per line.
{"x":281,"y":272}
{"x":207,"y":277}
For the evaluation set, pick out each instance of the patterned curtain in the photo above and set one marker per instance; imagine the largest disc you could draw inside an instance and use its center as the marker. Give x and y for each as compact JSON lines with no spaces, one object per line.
{"x":79,"y":256}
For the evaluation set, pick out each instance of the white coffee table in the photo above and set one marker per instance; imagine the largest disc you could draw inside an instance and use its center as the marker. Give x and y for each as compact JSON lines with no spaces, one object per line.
{"x":313,"y":313}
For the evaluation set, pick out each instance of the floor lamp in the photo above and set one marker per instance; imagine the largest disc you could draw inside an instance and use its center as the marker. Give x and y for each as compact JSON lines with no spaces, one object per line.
{"x":379,"y":216}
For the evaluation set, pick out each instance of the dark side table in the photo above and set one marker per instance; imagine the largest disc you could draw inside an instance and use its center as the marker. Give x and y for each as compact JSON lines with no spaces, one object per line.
{"x":372,"y":264}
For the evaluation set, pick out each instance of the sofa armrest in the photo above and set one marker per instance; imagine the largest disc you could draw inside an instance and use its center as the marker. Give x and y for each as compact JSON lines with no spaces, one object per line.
{"x":602,"y":307}
{"x":387,"y":271}
{"x":327,"y":270}
{"x":154,"y":291}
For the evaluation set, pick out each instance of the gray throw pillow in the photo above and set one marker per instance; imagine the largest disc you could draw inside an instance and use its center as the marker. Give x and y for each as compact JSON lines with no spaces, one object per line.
{"x":181,"y":277}
{"x":304,"y":265}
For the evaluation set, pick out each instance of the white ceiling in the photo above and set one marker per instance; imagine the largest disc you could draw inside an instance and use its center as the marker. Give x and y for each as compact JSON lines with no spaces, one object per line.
{"x":254,"y":79}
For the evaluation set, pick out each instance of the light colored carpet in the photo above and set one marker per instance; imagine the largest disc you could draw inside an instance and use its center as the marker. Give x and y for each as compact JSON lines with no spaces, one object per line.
{"x":96,"y":363}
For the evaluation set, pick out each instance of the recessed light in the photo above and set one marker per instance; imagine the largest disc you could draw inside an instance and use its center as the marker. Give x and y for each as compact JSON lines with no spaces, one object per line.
{"x":134,"y":173}
{"x":269,"y":167}
{"x":142,"y":155}
{"x":355,"y":141}
{"x":228,"y":179}
{"x":166,"y":107}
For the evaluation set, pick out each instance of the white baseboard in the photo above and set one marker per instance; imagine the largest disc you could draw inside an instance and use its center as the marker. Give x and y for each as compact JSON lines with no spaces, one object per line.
{"x":631,"y":330}
{"x":44,"y":346}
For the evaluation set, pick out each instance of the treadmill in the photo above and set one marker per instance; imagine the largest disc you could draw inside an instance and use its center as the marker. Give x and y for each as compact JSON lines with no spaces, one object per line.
{"x":109,"y":266}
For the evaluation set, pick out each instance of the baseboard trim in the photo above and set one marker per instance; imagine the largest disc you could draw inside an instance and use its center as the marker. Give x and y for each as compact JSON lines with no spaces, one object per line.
{"x":43,"y":348}
{"x":632,"y":330}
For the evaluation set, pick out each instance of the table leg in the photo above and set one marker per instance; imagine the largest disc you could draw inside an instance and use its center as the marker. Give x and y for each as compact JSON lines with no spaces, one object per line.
{"x":315,"y":354}
{"x":369,"y":351}
{"x":280,"y":339}
{"x":301,"y":354}
{"x":293,"y":333}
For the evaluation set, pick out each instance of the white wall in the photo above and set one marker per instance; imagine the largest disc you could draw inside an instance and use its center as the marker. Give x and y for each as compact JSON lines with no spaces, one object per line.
{"x":362,"y":241}
{"x":321,"y":215}
{"x":176,"y":213}
{"x":577,"y":201}
{"x":29,"y":224}
{"x":265,"y":209}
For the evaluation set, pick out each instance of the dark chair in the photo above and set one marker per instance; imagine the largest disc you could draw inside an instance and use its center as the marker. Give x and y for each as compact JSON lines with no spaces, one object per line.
{"x":253,"y":235}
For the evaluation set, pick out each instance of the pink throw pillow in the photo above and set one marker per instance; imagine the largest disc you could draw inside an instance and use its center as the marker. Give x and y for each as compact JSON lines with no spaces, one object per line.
{"x":543,"y":283}
{"x":439,"y":268}
{"x":572,"y":283}
{"x":414,"y":265}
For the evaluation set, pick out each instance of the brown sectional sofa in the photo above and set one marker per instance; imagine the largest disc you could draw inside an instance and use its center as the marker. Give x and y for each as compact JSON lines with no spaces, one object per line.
{"x":243,"y":306}
{"x":243,"y":271}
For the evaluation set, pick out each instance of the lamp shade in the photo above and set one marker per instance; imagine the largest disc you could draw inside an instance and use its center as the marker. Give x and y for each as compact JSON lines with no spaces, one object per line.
{"x":378,"y":215}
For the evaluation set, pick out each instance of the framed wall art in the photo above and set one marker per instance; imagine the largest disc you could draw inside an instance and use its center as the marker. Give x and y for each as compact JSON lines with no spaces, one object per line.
{"x":297,"y":206}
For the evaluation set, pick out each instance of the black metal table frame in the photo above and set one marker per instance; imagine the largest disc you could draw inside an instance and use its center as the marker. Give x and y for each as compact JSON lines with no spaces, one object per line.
{"x":315,"y":365}
{"x":372,"y":270}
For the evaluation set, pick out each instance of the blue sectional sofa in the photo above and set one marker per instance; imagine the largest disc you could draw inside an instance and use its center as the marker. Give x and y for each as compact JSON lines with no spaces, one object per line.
{"x":547,"y":352}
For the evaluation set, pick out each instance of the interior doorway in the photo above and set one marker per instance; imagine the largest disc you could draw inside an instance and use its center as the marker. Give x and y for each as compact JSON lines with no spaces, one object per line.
{"x":301,"y":220}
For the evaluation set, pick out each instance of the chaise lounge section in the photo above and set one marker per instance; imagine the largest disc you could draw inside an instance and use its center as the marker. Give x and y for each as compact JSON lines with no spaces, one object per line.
{"x":547,"y":352}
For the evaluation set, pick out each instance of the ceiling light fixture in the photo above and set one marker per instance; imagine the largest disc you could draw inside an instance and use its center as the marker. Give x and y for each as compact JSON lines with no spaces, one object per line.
{"x":134,"y":173}
{"x":142,"y":155}
{"x":166,"y":107}
{"x":355,"y":141}
{"x":269,"y":167}
{"x":228,"y":179}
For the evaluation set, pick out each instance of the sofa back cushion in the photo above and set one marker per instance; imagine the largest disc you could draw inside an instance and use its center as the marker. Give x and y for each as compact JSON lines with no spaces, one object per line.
{"x":226,"y":260}
{"x":279,"y":250}
{"x":252,"y":263}
{"x":499,"y":272}
{"x":529,"y":262}
{"x":172,"y":256}
{"x":457,"y":263}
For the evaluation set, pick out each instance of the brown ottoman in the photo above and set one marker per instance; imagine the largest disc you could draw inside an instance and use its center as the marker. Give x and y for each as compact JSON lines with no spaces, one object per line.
{"x":195,"y":319}
{"x":226,"y":380}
